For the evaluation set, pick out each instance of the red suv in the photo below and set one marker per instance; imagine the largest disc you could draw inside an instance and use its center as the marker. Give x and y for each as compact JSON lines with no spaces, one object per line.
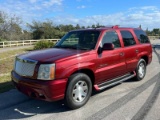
{"x":81,"y":61}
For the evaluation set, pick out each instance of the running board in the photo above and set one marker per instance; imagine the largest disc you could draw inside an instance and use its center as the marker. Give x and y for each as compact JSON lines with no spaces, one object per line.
{"x":115,"y":81}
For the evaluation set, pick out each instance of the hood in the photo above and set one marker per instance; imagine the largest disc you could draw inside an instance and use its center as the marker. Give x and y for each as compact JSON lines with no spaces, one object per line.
{"x":50,"y":55}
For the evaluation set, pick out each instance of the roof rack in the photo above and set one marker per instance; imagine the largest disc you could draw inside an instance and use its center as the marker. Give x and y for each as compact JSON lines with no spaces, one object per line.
{"x":115,"y":26}
{"x":111,"y":26}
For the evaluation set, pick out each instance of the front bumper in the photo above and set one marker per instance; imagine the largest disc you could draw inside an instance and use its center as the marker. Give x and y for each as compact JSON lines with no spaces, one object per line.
{"x":52,"y":90}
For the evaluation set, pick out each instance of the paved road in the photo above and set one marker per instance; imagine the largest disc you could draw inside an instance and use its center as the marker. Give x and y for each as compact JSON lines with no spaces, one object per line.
{"x":130,"y":100}
{"x":13,"y":48}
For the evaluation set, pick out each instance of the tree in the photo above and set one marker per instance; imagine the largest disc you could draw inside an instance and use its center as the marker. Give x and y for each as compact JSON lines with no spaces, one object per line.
{"x":83,"y":27}
{"x":26,"y":35}
{"x":37,"y":29}
{"x":10,"y":26}
{"x":77,"y":26}
{"x":65,"y":28}
{"x":46,"y":30}
{"x":155,"y":31}
{"x":1,"y":18}
{"x":93,"y":26}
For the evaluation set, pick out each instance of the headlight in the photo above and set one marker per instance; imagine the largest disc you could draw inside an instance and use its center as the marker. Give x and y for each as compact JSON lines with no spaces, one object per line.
{"x":46,"y":71}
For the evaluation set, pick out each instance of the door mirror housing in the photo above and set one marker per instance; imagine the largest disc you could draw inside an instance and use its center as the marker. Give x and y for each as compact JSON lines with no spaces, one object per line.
{"x":108,"y":46}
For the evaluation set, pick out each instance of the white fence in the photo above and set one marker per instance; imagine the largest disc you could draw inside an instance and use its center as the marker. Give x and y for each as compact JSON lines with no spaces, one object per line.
{"x":154,"y":37}
{"x":22,"y":42}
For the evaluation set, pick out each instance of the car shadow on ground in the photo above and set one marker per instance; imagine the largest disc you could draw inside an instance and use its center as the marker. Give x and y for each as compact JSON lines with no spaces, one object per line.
{"x":5,"y":86}
{"x":32,"y":107}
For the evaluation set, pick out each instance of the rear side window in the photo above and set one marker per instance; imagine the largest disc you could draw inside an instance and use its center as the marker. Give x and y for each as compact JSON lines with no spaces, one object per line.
{"x":141,"y":35}
{"x":111,"y":37}
{"x":128,"y":38}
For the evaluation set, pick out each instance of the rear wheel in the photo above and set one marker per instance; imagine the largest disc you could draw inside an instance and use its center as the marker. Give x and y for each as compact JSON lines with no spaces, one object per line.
{"x":78,"y":91}
{"x":141,"y":69}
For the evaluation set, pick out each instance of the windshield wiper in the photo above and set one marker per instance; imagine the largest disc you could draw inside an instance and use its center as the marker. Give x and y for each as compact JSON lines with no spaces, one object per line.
{"x":70,"y":47}
{"x":84,"y":48}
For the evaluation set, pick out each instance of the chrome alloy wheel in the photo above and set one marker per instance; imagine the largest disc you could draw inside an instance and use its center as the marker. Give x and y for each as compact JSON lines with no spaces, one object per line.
{"x":80,"y":91}
{"x":141,"y":70}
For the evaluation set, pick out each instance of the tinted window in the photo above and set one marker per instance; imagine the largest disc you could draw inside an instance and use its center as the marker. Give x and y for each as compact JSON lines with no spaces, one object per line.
{"x":111,"y":37}
{"x":79,"y":40}
{"x":128,"y":38}
{"x":141,"y":35}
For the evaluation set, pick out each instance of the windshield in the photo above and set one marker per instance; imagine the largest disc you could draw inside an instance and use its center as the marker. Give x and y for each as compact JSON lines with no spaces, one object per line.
{"x":83,"y":40}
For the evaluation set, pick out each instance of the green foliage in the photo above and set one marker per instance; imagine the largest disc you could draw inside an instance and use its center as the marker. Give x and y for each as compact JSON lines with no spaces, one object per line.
{"x":1,"y":17}
{"x":45,"y":30}
{"x":43,"y":44}
{"x":10,"y":26}
{"x":1,"y":39}
{"x":1,"y":20}
{"x":65,"y":28}
{"x":156,"y":31}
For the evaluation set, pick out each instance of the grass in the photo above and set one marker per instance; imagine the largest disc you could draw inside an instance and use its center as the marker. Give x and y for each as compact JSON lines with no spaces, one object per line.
{"x":6,"y":66}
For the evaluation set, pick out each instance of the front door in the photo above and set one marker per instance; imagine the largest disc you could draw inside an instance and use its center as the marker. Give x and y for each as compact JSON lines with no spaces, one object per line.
{"x":111,"y":62}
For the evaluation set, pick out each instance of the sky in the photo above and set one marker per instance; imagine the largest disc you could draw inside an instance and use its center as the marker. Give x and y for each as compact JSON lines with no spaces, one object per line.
{"x":128,"y":13}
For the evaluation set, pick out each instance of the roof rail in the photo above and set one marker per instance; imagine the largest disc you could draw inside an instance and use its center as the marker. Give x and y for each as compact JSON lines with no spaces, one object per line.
{"x":115,"y":26}
{"x":109,"y":26}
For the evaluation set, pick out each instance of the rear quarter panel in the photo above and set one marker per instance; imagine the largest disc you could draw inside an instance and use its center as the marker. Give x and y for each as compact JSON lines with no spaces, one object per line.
{"x":145,"y":50}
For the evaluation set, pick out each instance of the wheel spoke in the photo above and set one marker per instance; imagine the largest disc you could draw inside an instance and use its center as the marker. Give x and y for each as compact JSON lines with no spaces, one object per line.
{"x":84,"y":94}
{"x":80,"y":98}
{"x":75,"y":96}
{"x":85,"y":88}
{"x":82,"y":83}
{"x":74,"y":91}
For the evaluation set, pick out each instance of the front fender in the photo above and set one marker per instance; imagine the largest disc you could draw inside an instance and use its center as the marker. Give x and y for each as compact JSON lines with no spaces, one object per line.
{"x":66,"y":72}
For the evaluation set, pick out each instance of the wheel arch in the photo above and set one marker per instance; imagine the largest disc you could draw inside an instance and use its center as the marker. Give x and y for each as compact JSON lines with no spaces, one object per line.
{"x":145,"y":57}
{"x":88,"y":72}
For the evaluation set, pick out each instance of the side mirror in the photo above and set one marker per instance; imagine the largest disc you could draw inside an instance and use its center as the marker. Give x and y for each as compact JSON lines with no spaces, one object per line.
{"x":108,"y":46}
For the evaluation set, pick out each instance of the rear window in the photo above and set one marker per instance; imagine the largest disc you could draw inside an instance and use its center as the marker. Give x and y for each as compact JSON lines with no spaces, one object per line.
{"x":142,"y":36}
{"x":128,"y":38}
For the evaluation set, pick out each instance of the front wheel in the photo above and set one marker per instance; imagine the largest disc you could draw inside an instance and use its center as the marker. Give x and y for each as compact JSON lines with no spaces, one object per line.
{"x":141,"y":69}
{"x":78,"y":91}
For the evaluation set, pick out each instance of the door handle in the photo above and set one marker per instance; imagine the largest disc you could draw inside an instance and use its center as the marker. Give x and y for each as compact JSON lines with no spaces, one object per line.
{"x":137,"y":51}
{"x":121,"y":54}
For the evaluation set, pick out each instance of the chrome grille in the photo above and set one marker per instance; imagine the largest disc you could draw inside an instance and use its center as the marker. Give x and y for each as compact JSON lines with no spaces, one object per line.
{"x":25,"y":67}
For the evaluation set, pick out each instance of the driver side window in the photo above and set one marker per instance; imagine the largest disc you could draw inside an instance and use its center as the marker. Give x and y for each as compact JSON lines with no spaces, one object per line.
{"x":111,"y":37}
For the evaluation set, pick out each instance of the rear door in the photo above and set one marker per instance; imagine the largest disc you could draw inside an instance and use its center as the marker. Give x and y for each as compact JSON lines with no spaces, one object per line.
{"x":111,"y":62}
{"x":130,"y":50}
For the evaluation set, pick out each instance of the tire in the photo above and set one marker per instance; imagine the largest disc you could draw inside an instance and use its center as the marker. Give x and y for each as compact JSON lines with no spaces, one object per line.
{"x":140,"y":70}
{"x":78,"y":91}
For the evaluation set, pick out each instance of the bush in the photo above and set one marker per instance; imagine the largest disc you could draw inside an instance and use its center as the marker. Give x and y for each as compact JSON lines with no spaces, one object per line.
{"x":1,"y":39}
{"x":43,"y":44}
